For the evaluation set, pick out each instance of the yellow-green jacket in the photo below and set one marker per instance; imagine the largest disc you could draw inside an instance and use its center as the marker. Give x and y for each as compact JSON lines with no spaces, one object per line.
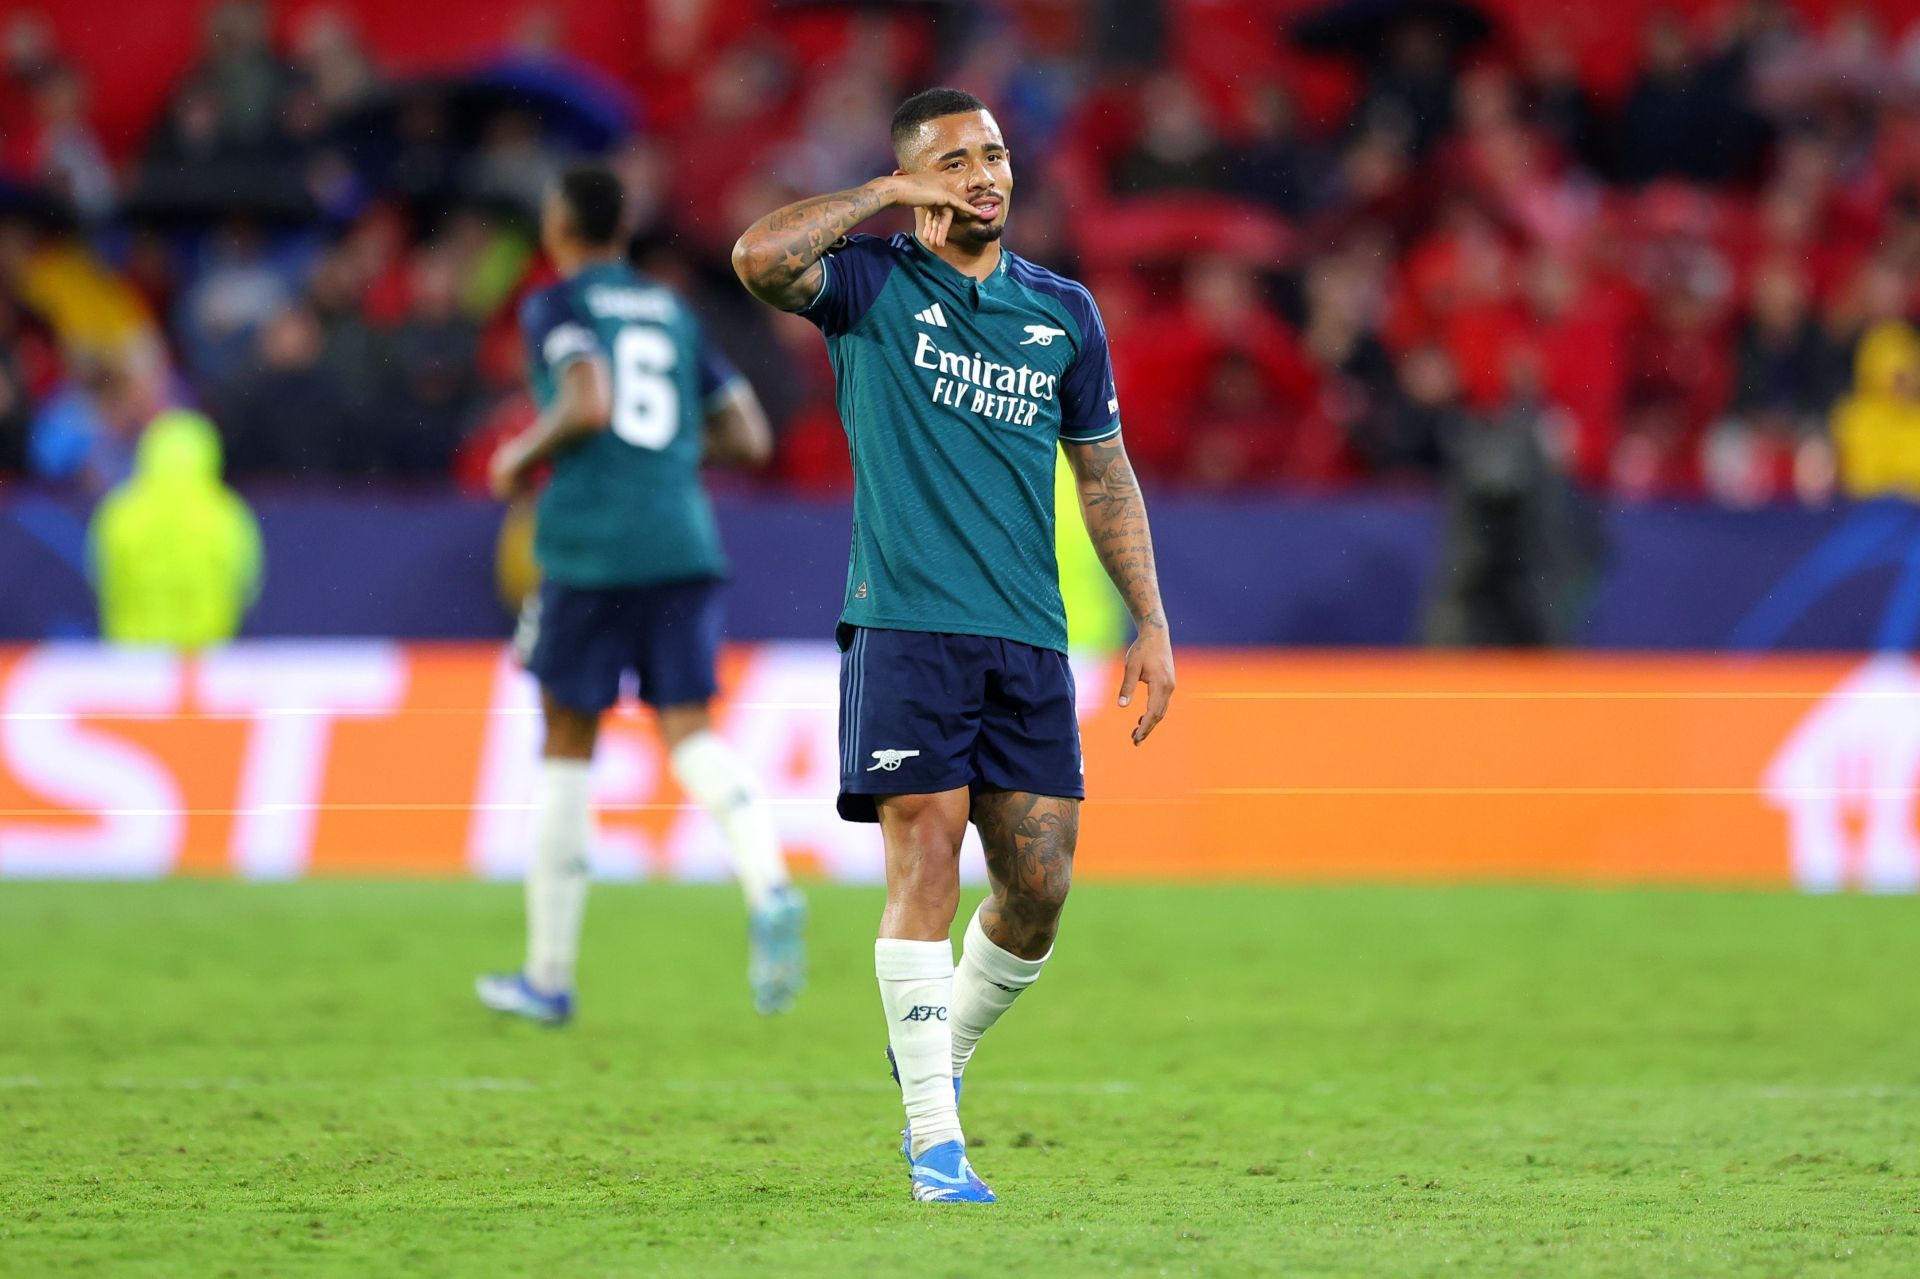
{"x":174,"y":552}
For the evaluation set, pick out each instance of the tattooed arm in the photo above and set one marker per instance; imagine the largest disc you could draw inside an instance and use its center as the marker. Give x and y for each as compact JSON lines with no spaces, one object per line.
{"x":1116,"y":518}
{"x":778,"y":258}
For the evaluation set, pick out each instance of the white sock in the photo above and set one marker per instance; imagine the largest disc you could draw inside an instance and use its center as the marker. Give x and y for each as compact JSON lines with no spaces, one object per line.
{"x":558,"y":874}
{"x":985,"y":984}
{"x":916,"y":985}
{"x":710,"y":772}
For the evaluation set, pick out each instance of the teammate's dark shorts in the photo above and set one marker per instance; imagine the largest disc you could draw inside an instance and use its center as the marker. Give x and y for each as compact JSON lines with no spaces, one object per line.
{"x":923,"y":712}
{"x":580,"y":642}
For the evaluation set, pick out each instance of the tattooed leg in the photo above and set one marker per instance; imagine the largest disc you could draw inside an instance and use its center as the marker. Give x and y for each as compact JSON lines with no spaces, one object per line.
{"x":1029,"y":841}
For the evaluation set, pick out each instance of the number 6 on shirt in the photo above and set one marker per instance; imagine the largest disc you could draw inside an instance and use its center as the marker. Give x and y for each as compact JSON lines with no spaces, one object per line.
{"x":646,"y":400}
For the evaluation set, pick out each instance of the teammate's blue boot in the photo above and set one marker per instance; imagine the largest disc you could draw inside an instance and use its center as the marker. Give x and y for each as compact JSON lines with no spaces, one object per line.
{"x":906,"y":1134}
{"x":510,"y":993}
{"x":943,"y":1175}
{"x":777,"y":942}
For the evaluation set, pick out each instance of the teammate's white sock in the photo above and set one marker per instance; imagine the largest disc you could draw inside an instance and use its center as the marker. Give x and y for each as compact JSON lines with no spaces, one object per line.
{"x":985,"y":983}
{"x":916,"y":986}
{"x":557,"y":875}
{"x":708,"y":770}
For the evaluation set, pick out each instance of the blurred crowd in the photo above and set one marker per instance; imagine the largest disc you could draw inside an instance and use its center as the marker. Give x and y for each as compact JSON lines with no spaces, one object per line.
{"x":1476,"y":270}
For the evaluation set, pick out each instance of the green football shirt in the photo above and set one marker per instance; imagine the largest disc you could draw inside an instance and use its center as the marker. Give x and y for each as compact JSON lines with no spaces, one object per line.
{"x":625,"y":506}
{"x":955,"y":393}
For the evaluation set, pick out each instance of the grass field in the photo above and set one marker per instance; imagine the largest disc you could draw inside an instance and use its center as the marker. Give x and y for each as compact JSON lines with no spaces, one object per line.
{"x":219,"y":1079}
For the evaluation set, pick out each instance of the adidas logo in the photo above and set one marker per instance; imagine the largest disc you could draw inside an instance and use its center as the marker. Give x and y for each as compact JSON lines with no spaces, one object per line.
{"x":932,"y":316}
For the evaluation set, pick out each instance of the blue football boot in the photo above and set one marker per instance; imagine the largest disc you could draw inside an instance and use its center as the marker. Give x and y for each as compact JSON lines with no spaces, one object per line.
{"x":777,"y":950}
{"x":510,"y":993}
{"x":943,"y":1175}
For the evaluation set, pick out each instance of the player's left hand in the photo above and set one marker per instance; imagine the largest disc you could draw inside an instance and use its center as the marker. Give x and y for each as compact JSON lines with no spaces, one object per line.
{"x":1149,"y":661}
{"x":506,"y":474}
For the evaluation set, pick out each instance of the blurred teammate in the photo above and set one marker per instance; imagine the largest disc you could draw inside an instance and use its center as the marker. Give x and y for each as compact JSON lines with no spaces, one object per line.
{"x":631,"y":400}
{"x":960,"y":366}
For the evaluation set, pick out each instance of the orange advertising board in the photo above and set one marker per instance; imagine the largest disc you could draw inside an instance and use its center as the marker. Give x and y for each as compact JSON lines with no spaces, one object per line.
{"x":284,"y":760}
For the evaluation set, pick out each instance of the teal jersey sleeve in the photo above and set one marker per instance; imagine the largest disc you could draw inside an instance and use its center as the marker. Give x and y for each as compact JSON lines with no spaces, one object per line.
{"x":1089,"y":404}
{"x":716,"y":372}
{"x":556,"y":334}
{"x":856,"y":270}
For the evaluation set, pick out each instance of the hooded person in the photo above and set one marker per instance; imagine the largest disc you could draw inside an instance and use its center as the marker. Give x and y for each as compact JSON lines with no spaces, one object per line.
{"x":1877,"y":428}
{"x":174,"y":553}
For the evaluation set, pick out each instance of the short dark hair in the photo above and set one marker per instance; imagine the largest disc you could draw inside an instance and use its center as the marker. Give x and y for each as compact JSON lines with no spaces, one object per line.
{"x":594,"y":203}
{"x":929,"y":104}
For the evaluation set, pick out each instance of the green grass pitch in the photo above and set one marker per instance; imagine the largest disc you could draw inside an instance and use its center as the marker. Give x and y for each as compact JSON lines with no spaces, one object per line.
{"x":218,"y":1079}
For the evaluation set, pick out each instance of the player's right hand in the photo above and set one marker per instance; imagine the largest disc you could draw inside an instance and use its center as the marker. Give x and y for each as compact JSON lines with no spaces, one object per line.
{"x":940,"y":202}
{"x":505,"y":472}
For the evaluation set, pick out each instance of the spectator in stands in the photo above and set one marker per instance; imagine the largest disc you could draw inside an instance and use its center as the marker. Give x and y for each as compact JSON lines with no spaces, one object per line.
{"x":188,"y":139}
{"x":1877,"y":428}
{"x":151,"y":270}
{"x":1408,"y":438}
{"x":1354,"y":374}
{"x":514,"y":165}
{"x":1677,"y":374}
{"x":240,"y":287}
{"x":420,"y":170}
{"x":1780,"y":396}
{"x":16,"y":411}
{"x":1519,"y":550}
{"x":1559,"y":105}
{"x":239,"y":71}
{"x":58,"y":147}
{"x":174,"y":554}
{"x":1372,"y":183}
{"x":26,"y":46}
{"x":83,"y":435}
{"x":308,"y":162}
{"x":351,"y":350}
{"x":1411,"y":88}
{"x":1242,"y":429}
{"x":327,"y":55}
{"x":1666,"y":119}
{"x":286,"y":414}
{"x":1273,"y":163}
{"x":1178,"y":147}
{"x":833,"y":147}
{"x":1578,"y":328}
{"x":1174,"y":357}
{"x":1688,"y":116}
{"x":431,"y":393}
{"x":28,"y":365}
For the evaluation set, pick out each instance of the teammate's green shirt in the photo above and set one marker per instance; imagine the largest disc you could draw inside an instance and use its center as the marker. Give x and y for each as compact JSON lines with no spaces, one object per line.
{"x":954,"y":393}
{"x":625,"y":506}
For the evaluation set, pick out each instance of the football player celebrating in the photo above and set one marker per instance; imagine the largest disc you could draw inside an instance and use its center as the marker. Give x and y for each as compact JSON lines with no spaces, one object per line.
{"x":961,"y":367}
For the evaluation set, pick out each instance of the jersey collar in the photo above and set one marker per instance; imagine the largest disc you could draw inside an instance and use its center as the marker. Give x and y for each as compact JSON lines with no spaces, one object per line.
{"x":953,"y":276}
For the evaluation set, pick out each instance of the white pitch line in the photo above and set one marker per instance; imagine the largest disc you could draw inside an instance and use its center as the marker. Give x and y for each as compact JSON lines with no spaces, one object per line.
{"x":1761,"y":1092}
{"x":487,"y":1083}
{"x":1086,"y":1088}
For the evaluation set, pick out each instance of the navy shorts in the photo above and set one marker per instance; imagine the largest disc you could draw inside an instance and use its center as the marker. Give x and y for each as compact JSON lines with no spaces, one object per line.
{"x":580,"y":642}
{"x":923,"y":712}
